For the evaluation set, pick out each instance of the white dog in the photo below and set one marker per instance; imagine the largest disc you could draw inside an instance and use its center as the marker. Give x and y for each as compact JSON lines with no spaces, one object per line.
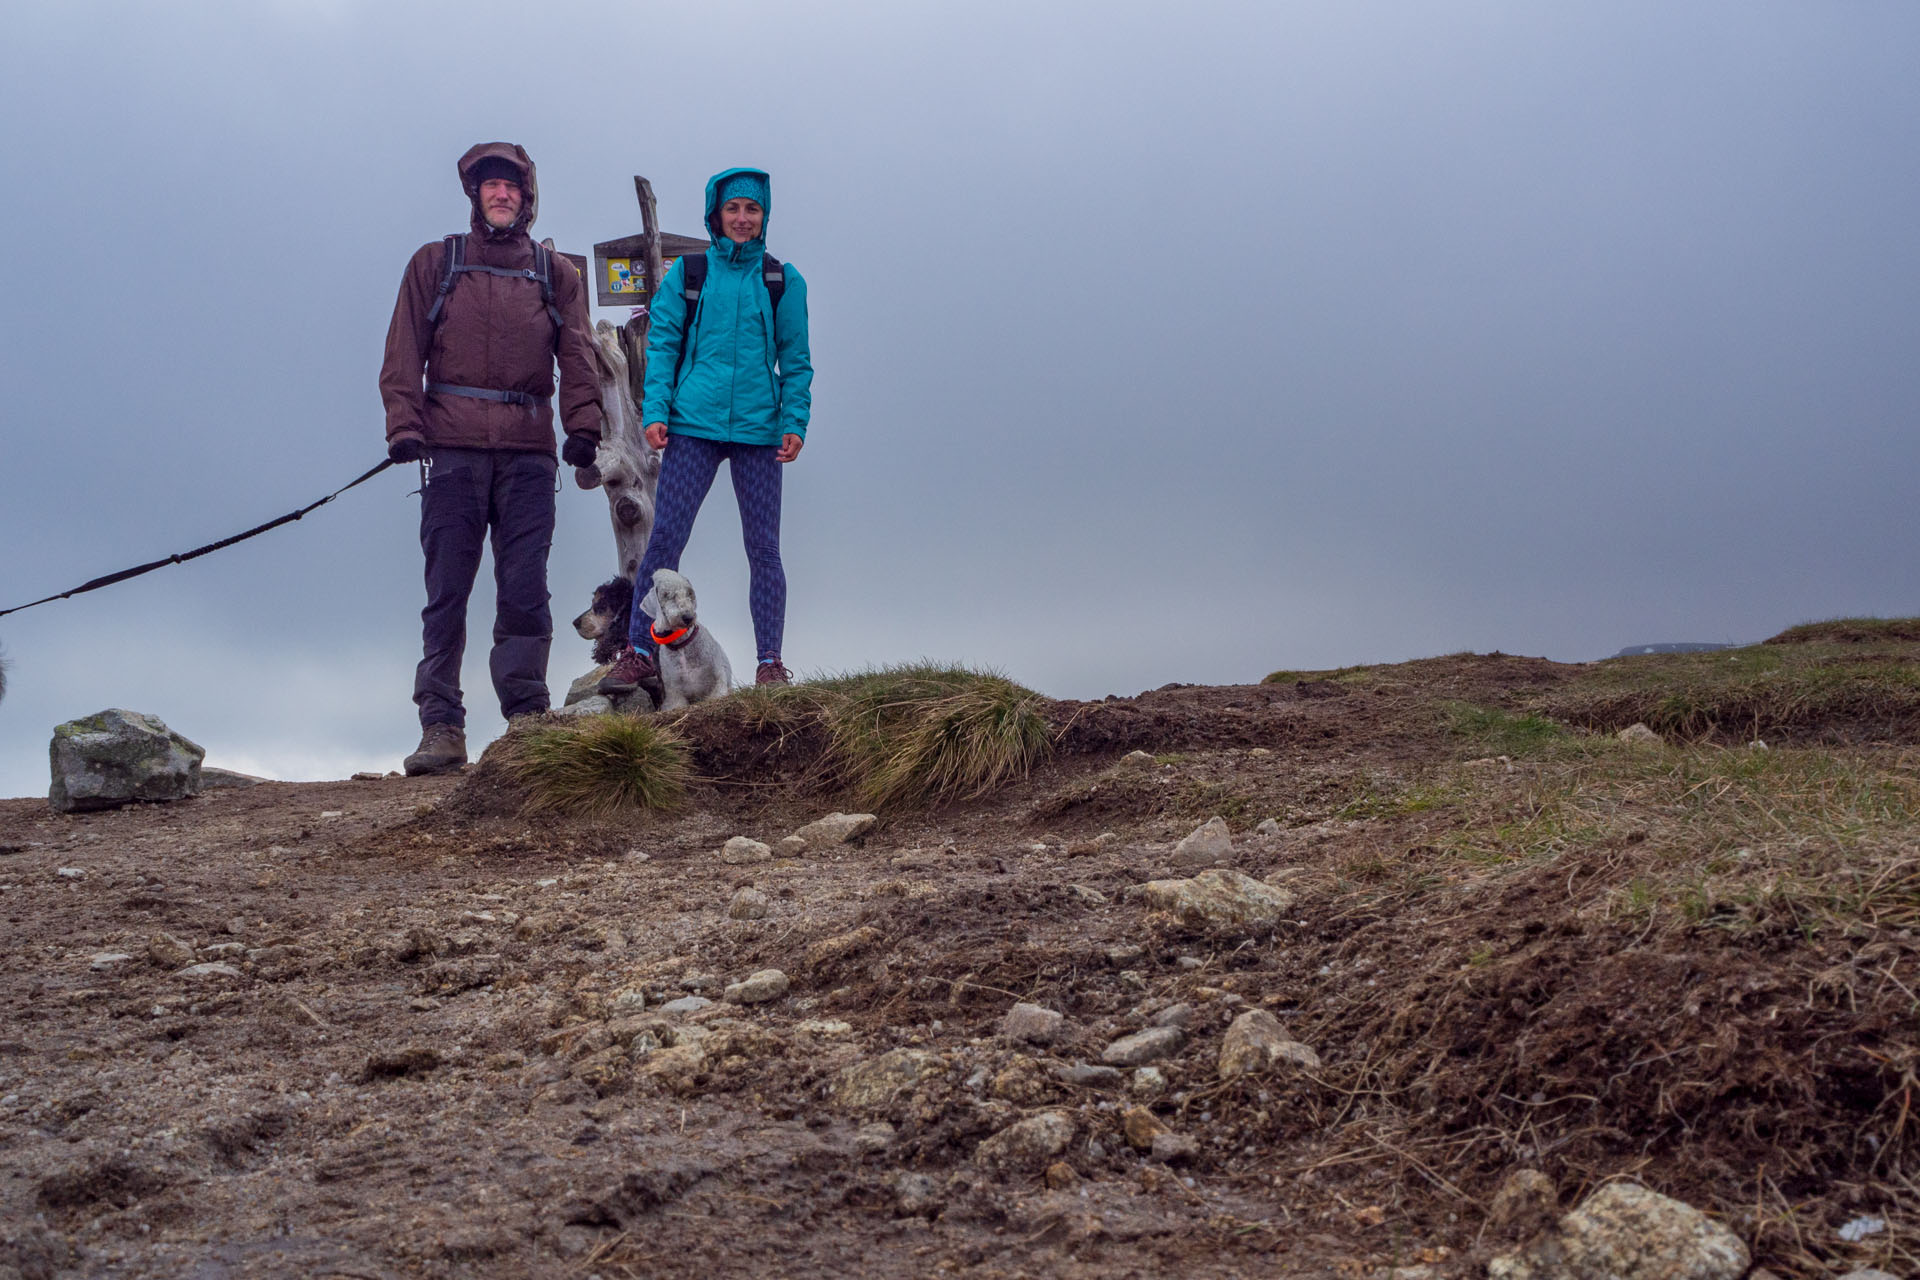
{"x":693,"y":666}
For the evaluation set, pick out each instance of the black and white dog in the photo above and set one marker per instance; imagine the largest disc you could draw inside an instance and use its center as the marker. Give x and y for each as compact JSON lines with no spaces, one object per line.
{"x":607,"y":621}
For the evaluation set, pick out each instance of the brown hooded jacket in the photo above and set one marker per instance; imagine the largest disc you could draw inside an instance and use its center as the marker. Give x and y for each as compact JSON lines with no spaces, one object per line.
{"x":494,"y":332}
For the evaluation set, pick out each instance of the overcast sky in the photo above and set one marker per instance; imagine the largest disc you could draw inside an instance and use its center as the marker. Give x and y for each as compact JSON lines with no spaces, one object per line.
{"x":1154,"y":342}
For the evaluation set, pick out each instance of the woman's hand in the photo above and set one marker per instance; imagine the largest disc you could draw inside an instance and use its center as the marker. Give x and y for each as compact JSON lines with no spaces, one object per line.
{"x":789,"y":448}
{"x":656,"y":433}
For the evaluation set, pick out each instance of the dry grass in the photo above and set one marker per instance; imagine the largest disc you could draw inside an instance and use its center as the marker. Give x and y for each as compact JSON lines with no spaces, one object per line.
{"x":598,"y":766}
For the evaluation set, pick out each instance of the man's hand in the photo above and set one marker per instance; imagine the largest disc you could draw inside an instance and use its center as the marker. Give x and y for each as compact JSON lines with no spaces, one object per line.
{"x":578,"y":451}
{"x":789,"y":447}
{"x":406,"y":449}
{"x":656,"y":434}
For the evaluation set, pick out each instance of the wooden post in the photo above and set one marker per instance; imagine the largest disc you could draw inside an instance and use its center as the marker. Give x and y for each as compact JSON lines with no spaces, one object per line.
{"x":634,"y":332}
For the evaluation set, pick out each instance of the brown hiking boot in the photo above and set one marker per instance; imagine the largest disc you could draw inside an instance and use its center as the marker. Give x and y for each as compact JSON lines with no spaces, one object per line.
{"x":632,"y":670}
{"x":443,"y":749}
{"x":771,"y":672}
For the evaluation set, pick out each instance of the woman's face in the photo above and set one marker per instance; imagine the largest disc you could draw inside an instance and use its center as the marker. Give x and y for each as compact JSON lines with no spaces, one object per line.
{"x":741,"y":219}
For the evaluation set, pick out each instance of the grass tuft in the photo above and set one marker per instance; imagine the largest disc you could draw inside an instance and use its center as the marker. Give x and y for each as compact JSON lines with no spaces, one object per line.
{"x":599,"y":766}
{"x":925,"y":734}
{"x":1498,"y":732}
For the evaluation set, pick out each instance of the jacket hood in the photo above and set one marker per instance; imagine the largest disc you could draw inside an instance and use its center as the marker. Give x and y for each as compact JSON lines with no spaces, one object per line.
{"x":719,"y":180}
{"x":529,"y":186}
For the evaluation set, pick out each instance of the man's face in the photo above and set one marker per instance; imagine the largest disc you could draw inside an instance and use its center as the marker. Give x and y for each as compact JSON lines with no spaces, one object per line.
{"x":500,"y":202}
{"x":741,"y":219}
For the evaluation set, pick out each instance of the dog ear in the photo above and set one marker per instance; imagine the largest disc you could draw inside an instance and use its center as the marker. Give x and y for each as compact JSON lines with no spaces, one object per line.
{"x":650,"y":605}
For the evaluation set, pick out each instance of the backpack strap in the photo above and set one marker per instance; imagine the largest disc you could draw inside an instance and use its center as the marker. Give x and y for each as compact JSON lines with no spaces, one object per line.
{"x":543,"y":272}
{"x":774,"y":275}
{"x":693,"y":269}
{"x":455,"y":254}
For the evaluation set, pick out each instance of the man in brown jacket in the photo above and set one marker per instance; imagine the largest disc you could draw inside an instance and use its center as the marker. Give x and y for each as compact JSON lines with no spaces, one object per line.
{"x":486,"y":335}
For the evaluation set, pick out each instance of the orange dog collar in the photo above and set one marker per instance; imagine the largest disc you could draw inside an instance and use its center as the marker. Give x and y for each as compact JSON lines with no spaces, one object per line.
{"x":671,"y":638}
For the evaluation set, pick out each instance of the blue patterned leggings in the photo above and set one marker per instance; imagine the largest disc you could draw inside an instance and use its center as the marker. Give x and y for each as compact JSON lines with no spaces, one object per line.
{"x":687,"y":469}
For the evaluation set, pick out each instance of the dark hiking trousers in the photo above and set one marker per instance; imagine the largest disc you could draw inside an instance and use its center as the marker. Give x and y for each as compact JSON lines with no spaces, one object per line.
{"x":468,"y":493}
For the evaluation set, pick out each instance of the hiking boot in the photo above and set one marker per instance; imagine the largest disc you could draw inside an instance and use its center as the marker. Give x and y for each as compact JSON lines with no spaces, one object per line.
{"x":771,"y":672}
{"x":632,"y":670}
{"x":443,"y":749}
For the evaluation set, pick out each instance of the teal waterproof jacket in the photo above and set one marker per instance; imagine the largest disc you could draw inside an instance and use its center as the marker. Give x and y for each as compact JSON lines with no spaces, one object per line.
{"x":746,"y":375}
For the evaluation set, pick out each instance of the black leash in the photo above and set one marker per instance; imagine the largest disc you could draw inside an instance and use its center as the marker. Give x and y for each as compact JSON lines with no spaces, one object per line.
{"x":185,"y":556}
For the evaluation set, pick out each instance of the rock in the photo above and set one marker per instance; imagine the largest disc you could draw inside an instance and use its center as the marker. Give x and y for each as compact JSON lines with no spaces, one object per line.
{"x":1029,"y":1143}
{"x":1141,"y":1127}
{"x":1257,"y":1042}
{"x":1088,"y":1076}
{"x":916,"y":1195}
{"x":169,"y":952}
{"x":676,"y":1069}
{"x":598,"y":704}
{"x":116,"y":757}
{"x":741,"y":850}
{"x":108,"y":959}
{"x":822,"y":1028}
{"x":874,"y":1083}
{"x":1148,"y":1082}
{"x":213,"y":969}
{"x":758,"y":988}
{"x":1259,"y":752}
{"x":790,"y":846}
{"x":1207,"y":845}
{"x":1174,"y":1015}
{"x":1221,"y":901}
{"x":71,"y":873}
{"x":1060,"y":1176}
{"x":1124,"y":954}
{"x":1268,"y":827}
{"x":1524,"y":1206}
{"x":1623,"y":1231}
{"x":627,"y":1002}
{"x":1636,"y":734}
{"x":748,"y":904}
{"x":1091,"y":896}
{"x":587,"y":686}
{"x":1142,"y":1047}
{"x":217,"y":779}
{"x":685,"y":1004}
{"x":842,"y":945}
{"x":1173,"y":1148}
{"x":836,"y":828}
{"x":872,"y":1139}
{"x":1032,"y":1023}
{"x":1137,"y":760}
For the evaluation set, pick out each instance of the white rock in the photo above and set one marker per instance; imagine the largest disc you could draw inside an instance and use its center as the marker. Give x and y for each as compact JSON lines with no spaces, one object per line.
{"x":1209,"y":843}
{"x":758,"y":988}
{"x":597,"y":704}
{"x":790,"y":846}
{"x":836,"y":828}
{"x":1635,"y":734}
{"x":685,"y":1004}
{"x":1268,"y":827}
{"x":212,"y":969}
{"x":1257,"y":1042}
{"x":740,"y":850}
{"x":1032,"y":1023}
{"x":1137,"y":760}
{"x":871,"y":1139}
{"x":1142,"y":1047}
{"x":1220,"y":900}
{"x":108,"y":959}
{"x":1148,"y":1082}
{"x":1027,"y":1143}
{"x":748,"y":904}
{"x":72,"y":873}
{"x":1625,"y":1232}
{"x":628,"y":1002}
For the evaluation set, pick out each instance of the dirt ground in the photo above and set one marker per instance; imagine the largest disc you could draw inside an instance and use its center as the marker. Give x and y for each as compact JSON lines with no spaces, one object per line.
{"x":433,"y":1040}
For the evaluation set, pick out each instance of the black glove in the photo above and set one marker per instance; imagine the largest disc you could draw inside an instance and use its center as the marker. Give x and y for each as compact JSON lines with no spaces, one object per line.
{"x":406,"y":449}
{"x":579,"y":451}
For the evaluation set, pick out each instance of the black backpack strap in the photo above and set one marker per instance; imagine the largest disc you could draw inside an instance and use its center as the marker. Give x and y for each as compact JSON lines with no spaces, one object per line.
{"x":693,"y":271}
{"x":455,"y":247}
{"x":543,"y":272}
{"x":773,"y":274}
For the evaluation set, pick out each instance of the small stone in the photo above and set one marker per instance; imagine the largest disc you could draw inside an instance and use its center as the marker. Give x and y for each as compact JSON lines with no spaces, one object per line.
{"x":1032,"y":1023}
{"x":740,"y":850}
{"x":1257,"y":1042}
{"x":1268,"y":827}
{"x":1028,"y":1143}
{"x":108,"y":959}
{"x":1088,"y":1076}
{"x":71,"y":873}
{"x":237,"y":925}
{"x":594,"y":704}
{"x":1757,"y":745}
{"x":1141,"y":1127}
{"x":758,"y":988}
{"x":1637,"y":734}
{"x":836,"y":828}
{"x":676,"y":1070}
{"x":1124,"y":954}
{"x":1259,"y":751}
{"x":1174,"y":1015}
{"x":748,"y":904}
{"x":877,"y":1081}
{"x":685,"y":1004}
{"x":790,"y":846}
{"x":1092,"y":897}
{"x":227,"y":779}
{"x":224,"y":950}
{"x":842,"y":945}
{"x":823,"y":1028}
{"x":628,"y":1002}
{"x":1207,"y":845}
{"x":1142,"y":1047}
{"x":362,"y":776}
{"x":916,"y":1195}
{"x":1221,"y":900}
{"x":872,"y":1139}
{"x":1190,"y":963}
{"x":1148,"y":1082}
{"x":169,"y":952}
{"x":330,"y":814}
{"x":1624,"y":1231}
{"x":1137,"y":760}
{"x":1173,"y":1148}
{"x":1060,"y":1176}
{"x":1524,"y":1206}
{"x":213,"y":969}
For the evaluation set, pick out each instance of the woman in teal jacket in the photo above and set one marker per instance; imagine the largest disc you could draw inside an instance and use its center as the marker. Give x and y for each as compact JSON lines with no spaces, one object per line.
{"x":729,"y":379}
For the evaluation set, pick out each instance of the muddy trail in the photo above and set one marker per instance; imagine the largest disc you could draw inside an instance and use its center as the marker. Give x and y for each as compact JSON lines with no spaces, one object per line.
{"x":393,"y":1028}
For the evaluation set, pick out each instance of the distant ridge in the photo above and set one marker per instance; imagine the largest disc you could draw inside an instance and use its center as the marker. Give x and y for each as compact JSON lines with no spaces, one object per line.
{"x":1633,"y":651}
